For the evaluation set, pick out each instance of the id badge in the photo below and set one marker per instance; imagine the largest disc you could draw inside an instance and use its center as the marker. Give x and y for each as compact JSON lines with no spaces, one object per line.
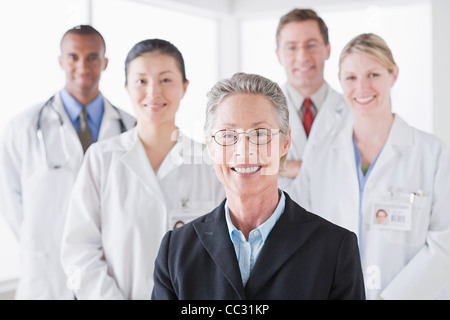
{"x":190,"y":210}
{"x":179,"y":218}
{"x":391,"y":215}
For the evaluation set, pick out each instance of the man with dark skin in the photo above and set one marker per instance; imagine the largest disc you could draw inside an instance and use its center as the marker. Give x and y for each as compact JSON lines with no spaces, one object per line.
{"x":38,"y":173}
{"x":83,"y":60}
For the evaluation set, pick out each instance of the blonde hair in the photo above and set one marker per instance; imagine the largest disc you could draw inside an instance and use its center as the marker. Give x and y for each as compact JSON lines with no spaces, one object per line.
{"x":372,"y":45}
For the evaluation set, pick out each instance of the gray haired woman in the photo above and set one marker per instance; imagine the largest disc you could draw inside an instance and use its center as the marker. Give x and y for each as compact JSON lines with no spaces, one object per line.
{"x":257,"y":244}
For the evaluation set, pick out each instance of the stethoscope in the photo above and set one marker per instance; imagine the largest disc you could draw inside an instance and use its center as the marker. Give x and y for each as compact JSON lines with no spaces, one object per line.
{"x":62,"y":134}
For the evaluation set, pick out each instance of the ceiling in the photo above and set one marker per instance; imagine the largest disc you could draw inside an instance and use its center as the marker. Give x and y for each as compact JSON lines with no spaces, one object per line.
{"x":258,"y":7}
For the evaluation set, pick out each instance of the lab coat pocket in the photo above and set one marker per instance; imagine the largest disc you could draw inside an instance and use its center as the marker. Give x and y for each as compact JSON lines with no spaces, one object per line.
{"x":188,"y":211}
{"x":417,"y":220}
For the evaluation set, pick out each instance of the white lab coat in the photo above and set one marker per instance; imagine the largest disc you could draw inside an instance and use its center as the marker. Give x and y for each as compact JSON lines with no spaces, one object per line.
{"x":34,"y":198}
{"x":330,"y":113}
{"x":120,"y":211}
{"x":398,"y":264}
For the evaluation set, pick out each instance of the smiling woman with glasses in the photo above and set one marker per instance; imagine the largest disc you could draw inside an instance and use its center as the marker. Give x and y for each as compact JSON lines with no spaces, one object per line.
{"x":257,"y":244}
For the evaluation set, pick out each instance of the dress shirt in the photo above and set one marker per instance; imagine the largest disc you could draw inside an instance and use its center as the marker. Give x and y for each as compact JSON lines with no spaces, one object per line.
{"x":317,"y":98}
{"x":94,"y":109}
{"x":247,"y":252}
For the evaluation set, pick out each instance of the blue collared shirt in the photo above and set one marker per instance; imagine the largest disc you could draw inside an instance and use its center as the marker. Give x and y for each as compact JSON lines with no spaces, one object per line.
{"x":95,"y":112}
{"x":362,"y":179}
{"x":247,"y":252}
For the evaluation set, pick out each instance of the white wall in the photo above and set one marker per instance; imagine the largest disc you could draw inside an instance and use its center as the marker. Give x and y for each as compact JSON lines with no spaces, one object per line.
{"x":441,"y":69}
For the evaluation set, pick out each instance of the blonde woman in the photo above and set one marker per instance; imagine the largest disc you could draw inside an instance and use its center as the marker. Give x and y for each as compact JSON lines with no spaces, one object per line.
{"x":379,"y":162}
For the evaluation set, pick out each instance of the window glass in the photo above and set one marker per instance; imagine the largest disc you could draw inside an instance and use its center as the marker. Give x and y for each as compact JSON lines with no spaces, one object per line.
{"x":193,"y":35}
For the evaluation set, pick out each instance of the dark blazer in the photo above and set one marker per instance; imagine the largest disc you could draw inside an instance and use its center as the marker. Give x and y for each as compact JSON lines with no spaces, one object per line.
{"x":304,"y":257}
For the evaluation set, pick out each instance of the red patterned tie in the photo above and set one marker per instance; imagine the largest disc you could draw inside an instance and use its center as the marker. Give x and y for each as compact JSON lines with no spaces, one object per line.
{"x":308,"y":116}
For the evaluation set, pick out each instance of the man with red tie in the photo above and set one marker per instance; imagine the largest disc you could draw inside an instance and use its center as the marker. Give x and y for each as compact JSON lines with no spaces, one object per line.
{"x":314,"y":107}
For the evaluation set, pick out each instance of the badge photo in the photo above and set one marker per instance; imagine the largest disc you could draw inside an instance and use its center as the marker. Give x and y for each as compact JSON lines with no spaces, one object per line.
{"x":391,"y":215}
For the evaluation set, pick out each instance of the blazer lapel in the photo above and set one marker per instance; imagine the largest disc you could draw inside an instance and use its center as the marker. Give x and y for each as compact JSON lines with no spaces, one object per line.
{"x":288,"y":235}
{"x":214,"y":236}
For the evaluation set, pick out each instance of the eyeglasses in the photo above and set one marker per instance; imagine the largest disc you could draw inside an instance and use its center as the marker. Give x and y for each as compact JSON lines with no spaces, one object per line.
{"x":227,"y":138}
{"x":310,"y":47}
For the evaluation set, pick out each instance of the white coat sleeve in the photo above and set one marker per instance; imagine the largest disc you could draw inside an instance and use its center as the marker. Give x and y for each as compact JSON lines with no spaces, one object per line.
{"x":82,"y":254}
{"x":426,"y":275}
{"x":300,"y":188}
{"x":10,"y":182}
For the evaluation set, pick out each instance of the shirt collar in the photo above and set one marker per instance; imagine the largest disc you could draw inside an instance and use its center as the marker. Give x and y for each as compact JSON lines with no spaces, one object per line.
{"x":264,"y":228}
{"x":73,"y":107}
{"x":317,"y":98}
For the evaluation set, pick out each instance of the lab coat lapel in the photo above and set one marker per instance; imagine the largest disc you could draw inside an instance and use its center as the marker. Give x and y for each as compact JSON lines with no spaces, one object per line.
{"x":110,"y":125}
{"x":135,"y":159}
{"x":175,"y":156}
{"x":214,"y":236}
{"x":401,"y":134}
{"x":345,"y":164}
{"x":332,"y":110}
{"x":298,"y":133}
{"x":185,"y":151}
{"x":73,"y":141}
{"x":290,"y":232}
{"x":343,"y":141}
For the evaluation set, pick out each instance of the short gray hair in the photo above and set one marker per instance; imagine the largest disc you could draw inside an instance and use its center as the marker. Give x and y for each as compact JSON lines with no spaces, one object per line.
{"x":243,"y":83}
